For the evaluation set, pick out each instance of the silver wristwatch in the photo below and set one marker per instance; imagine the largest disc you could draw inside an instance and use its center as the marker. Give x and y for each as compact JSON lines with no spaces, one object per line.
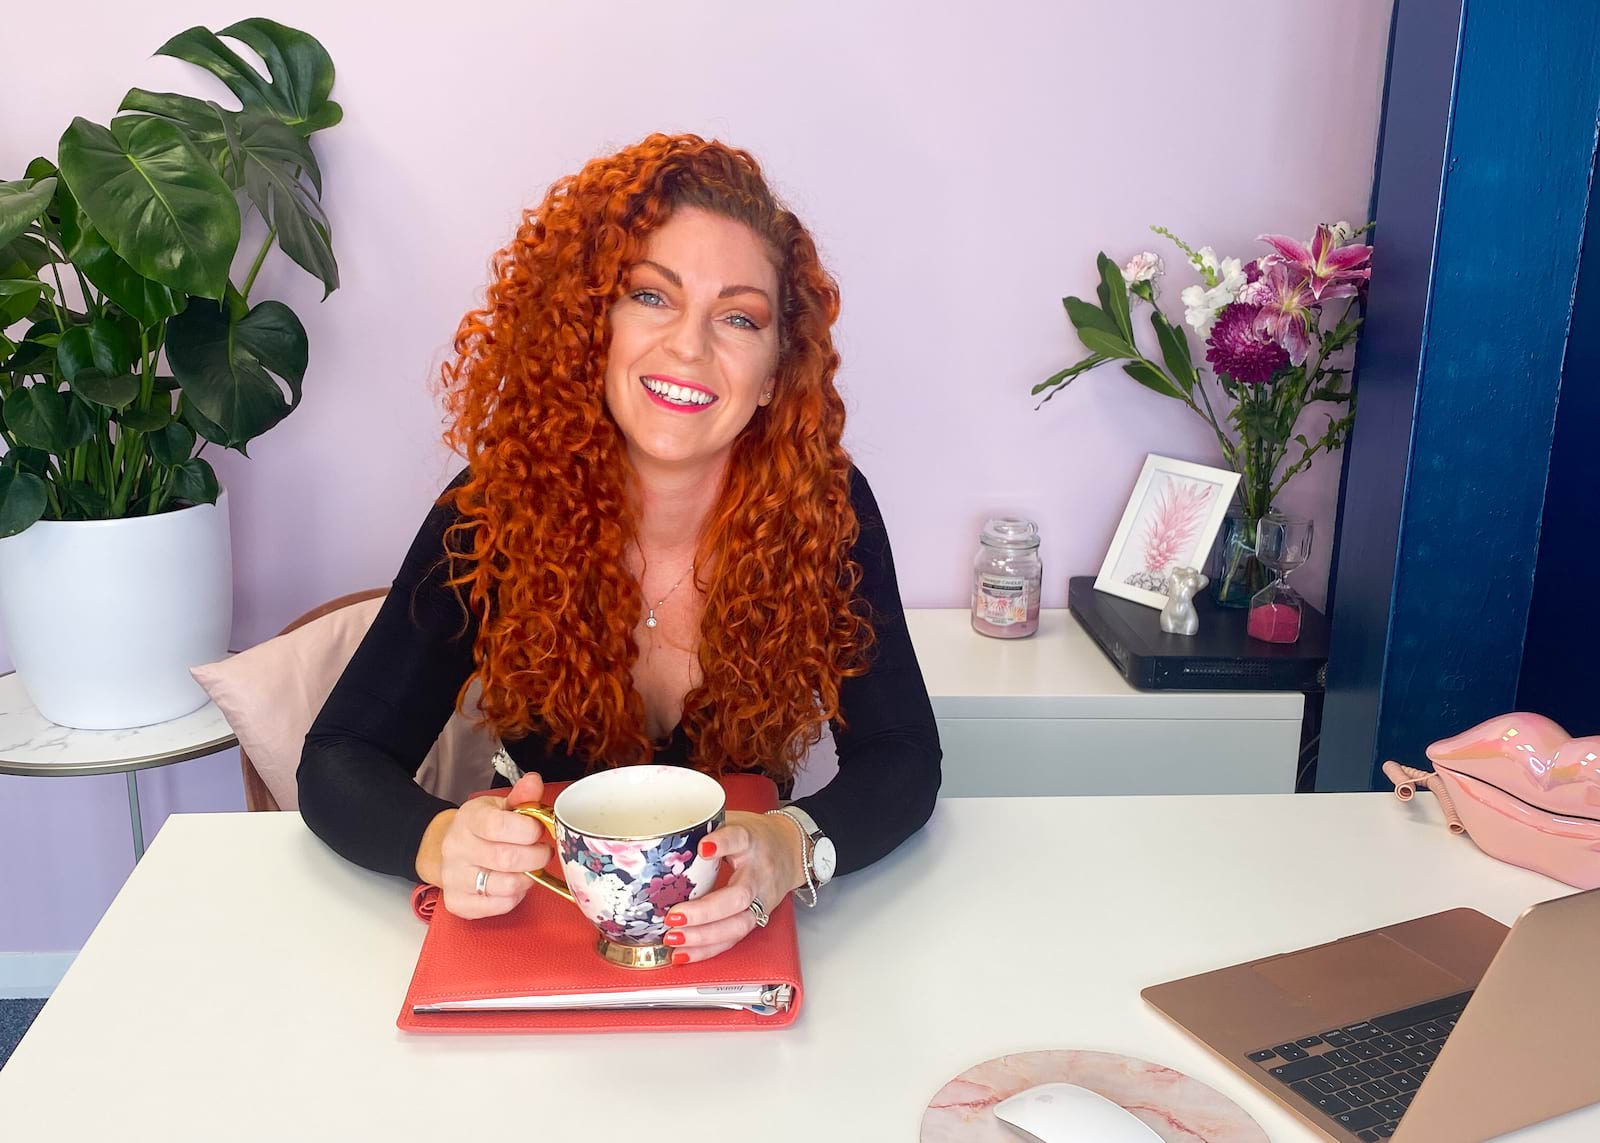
{"x":818,"y":854}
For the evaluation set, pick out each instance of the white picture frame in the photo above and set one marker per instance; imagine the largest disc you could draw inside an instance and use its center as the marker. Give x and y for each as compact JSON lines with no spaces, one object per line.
{"x":1172,"y":519}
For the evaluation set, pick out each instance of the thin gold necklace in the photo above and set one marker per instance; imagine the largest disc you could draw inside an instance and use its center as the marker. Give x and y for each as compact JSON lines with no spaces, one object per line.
{"x":650,"y":620}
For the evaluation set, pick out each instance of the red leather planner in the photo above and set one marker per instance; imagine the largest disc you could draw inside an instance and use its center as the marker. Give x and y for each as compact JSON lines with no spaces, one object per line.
{"x":545,"y":947}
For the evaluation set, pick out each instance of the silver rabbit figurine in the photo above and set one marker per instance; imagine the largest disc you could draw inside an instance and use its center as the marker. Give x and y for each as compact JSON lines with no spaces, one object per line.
{"x":1179,"y":617}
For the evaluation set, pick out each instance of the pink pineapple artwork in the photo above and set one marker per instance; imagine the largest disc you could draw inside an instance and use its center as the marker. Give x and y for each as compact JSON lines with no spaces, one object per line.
{"x":1176,"y":512}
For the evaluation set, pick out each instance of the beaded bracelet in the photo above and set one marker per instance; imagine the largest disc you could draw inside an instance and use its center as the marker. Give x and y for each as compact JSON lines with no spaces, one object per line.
{"x":805,"y":858}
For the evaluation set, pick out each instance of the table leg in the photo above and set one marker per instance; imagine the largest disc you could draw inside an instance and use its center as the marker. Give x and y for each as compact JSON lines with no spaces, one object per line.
{"x":133,"y":815}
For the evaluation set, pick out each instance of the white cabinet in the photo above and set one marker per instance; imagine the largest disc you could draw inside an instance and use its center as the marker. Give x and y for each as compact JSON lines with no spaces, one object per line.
{"x":1049,"y":714}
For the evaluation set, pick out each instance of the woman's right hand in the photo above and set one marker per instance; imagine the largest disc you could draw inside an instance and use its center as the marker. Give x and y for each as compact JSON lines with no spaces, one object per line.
{"x":485,"y":835}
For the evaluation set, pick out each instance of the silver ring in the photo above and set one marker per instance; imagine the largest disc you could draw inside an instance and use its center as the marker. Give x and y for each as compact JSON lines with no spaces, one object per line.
{"x":760,"y":912}
{"x":481,"y":886}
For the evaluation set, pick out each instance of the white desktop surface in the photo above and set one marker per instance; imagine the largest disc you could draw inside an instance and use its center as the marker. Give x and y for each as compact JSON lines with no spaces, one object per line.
{"x":245,"y":982}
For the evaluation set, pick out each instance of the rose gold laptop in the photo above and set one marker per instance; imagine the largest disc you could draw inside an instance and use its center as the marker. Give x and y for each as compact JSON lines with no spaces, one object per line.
{"x":1445,"y":1029}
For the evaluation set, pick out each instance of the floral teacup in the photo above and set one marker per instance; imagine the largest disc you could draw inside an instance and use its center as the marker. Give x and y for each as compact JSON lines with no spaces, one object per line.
{"x":629,"y":841}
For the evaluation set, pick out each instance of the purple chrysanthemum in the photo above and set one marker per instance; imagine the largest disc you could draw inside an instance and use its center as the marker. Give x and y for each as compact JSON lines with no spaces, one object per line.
{"x":1238,"y":350}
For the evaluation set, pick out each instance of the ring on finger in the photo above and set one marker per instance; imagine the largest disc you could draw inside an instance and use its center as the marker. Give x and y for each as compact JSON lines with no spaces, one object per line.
{"x":481,"y":885}
{"x":760,"y":912}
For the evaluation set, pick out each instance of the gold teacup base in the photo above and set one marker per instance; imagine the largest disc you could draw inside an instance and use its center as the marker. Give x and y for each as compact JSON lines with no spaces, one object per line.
{"x":635,"y":956}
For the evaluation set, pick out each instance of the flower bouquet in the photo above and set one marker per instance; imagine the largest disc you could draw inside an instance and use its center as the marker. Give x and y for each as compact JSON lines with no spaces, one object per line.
{"x":1262,"y":324}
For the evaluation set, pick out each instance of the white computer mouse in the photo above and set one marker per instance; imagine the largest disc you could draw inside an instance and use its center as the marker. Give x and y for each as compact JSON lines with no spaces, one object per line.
{"x":1067,"y":1113}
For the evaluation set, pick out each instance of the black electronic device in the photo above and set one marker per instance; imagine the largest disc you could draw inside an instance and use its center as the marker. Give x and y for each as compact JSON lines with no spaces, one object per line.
{"x":1220,"y":657}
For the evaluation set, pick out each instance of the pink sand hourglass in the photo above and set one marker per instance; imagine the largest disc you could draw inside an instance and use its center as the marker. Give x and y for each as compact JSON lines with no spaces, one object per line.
{"x":1283,"y":543}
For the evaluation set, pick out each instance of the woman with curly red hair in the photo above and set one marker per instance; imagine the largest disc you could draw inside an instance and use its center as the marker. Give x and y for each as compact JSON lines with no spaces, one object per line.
{"x":659,"y":552}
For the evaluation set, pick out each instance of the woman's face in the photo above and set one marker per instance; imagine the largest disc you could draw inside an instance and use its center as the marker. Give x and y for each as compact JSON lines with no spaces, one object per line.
{"x":694,"y":339}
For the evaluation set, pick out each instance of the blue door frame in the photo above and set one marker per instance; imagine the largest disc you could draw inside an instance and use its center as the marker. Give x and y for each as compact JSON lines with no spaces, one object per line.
{"x":1485,"y":166}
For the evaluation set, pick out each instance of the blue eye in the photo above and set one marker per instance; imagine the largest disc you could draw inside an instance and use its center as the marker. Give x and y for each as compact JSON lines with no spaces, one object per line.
{"x":640,"y":296}
{"x":748,"y":324}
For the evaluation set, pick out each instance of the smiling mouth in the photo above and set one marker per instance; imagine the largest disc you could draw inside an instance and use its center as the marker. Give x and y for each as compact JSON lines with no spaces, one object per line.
{"x":673,"y":395}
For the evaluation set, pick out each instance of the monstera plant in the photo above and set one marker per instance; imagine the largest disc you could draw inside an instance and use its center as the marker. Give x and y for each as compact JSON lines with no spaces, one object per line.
{"x":125,"y":341}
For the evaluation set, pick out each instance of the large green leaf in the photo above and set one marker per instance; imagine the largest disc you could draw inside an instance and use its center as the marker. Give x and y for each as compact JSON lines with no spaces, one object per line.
{"x":40,"y":167}
{"x":204,"y":426}
{"x":300,"y":69}
{"x":22,"y":501}
{"x":24,"y":256}
{"x":1105,"y":344}
{"x":172,"y":444}
{"x":151,"y":420}
{"x":227,"y":368}
{"x":1084,"y":316}
{"x":101,"y":346}
{"x":148,"y":303}
{"x":34,"y":460}
{"x":1113,"y":293}
{"x":18,"y":297}
{"x":275,"y":162}
{"x":195,"y":482}
{"x":155,"y":198}
{"x":20,"y":203}
{"x":37,"y":353}
{"x":1151,"y":378}
{"x":145,"y":301}
{"x":43,"y":418}
{"x":198,"y":117}
{"x":1174,"y":351}
{"x":113,"y":392}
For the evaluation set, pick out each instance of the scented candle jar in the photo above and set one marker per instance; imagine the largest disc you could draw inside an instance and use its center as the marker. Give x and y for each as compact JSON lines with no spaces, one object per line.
{"x":1006,"y":578}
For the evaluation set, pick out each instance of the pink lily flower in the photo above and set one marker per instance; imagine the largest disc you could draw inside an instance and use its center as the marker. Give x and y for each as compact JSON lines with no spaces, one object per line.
{"x":1332,"y":271}
{"x":1284,"y":294}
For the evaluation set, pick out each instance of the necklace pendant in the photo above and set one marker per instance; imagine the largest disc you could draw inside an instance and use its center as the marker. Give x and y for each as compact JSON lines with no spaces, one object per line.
{"x":650,"y":620}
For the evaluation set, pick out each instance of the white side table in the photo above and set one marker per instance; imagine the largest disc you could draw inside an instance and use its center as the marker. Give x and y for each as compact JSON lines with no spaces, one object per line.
{"x":1050,"y":715}
{"x":32,"y":746}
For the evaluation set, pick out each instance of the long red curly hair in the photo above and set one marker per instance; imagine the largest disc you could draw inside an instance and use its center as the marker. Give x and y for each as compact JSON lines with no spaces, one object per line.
{"x":538,"y":554}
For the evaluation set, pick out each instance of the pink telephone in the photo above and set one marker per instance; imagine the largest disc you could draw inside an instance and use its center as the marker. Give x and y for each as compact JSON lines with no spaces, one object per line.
{"x":1523,"y":789}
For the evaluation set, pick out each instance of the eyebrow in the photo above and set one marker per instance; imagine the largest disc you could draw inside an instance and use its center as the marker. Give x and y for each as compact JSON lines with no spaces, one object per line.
{"x":727,"y":291}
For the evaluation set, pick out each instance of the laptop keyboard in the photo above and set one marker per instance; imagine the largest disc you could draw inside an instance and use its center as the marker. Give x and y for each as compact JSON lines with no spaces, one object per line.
{"x":1363,"y":1077}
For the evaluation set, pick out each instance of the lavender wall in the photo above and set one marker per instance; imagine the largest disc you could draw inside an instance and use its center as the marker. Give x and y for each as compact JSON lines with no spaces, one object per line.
{"x":960,"y":171}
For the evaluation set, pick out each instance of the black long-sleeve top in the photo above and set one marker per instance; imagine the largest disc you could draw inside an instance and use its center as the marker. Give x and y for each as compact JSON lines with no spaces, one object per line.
{"x":357,"y":772}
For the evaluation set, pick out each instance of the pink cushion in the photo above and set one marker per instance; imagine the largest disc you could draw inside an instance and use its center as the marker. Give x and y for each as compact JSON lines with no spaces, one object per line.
{"x":271,"y":693}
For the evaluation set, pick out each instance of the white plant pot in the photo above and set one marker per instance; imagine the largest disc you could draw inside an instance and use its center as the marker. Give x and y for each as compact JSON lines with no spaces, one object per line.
{"x":104,"y":618}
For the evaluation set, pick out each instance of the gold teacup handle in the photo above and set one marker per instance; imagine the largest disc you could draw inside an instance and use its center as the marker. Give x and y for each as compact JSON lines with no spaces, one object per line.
{"x":544,"y":816}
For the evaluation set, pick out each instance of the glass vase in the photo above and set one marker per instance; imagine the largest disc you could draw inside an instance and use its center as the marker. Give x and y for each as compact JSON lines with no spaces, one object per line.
{"x":1237,"y":574}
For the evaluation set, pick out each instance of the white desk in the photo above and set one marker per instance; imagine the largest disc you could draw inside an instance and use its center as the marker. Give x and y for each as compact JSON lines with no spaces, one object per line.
{"x":244,"y":984}
{"x":1049,"y":714}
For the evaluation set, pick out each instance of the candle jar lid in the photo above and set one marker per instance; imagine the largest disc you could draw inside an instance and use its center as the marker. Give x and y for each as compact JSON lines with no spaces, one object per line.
{"x":1010,"y":532}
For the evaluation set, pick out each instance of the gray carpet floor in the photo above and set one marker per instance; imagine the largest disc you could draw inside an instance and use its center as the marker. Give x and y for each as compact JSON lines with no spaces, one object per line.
{"x":15,"y":1017}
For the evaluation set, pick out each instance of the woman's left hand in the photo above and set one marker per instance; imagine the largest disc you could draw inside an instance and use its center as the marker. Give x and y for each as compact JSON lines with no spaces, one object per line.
{"x":765,"y":852}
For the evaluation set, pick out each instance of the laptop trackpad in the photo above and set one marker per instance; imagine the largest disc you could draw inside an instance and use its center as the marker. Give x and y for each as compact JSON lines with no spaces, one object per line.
{"x":1361,"y":977}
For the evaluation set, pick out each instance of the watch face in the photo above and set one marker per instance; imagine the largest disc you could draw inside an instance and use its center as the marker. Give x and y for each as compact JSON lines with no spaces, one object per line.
{"x":823,"y":860}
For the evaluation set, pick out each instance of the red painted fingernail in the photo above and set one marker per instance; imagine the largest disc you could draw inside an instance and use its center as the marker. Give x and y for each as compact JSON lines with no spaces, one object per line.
{"x":680,"y":958}
{"x":708,"y":849}
{"x":677,"y":919}
{"x":674,"y":938}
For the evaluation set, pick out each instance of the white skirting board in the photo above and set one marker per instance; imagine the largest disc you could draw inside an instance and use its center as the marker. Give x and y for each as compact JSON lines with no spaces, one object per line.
{"x":30,"y":976}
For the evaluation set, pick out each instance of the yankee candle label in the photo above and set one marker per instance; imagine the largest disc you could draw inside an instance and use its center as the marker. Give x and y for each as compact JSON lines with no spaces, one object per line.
{"x":1002,"y":599}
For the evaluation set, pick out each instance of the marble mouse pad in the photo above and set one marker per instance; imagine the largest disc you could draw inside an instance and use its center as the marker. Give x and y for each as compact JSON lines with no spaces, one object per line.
{"x":1175,"y":1107}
